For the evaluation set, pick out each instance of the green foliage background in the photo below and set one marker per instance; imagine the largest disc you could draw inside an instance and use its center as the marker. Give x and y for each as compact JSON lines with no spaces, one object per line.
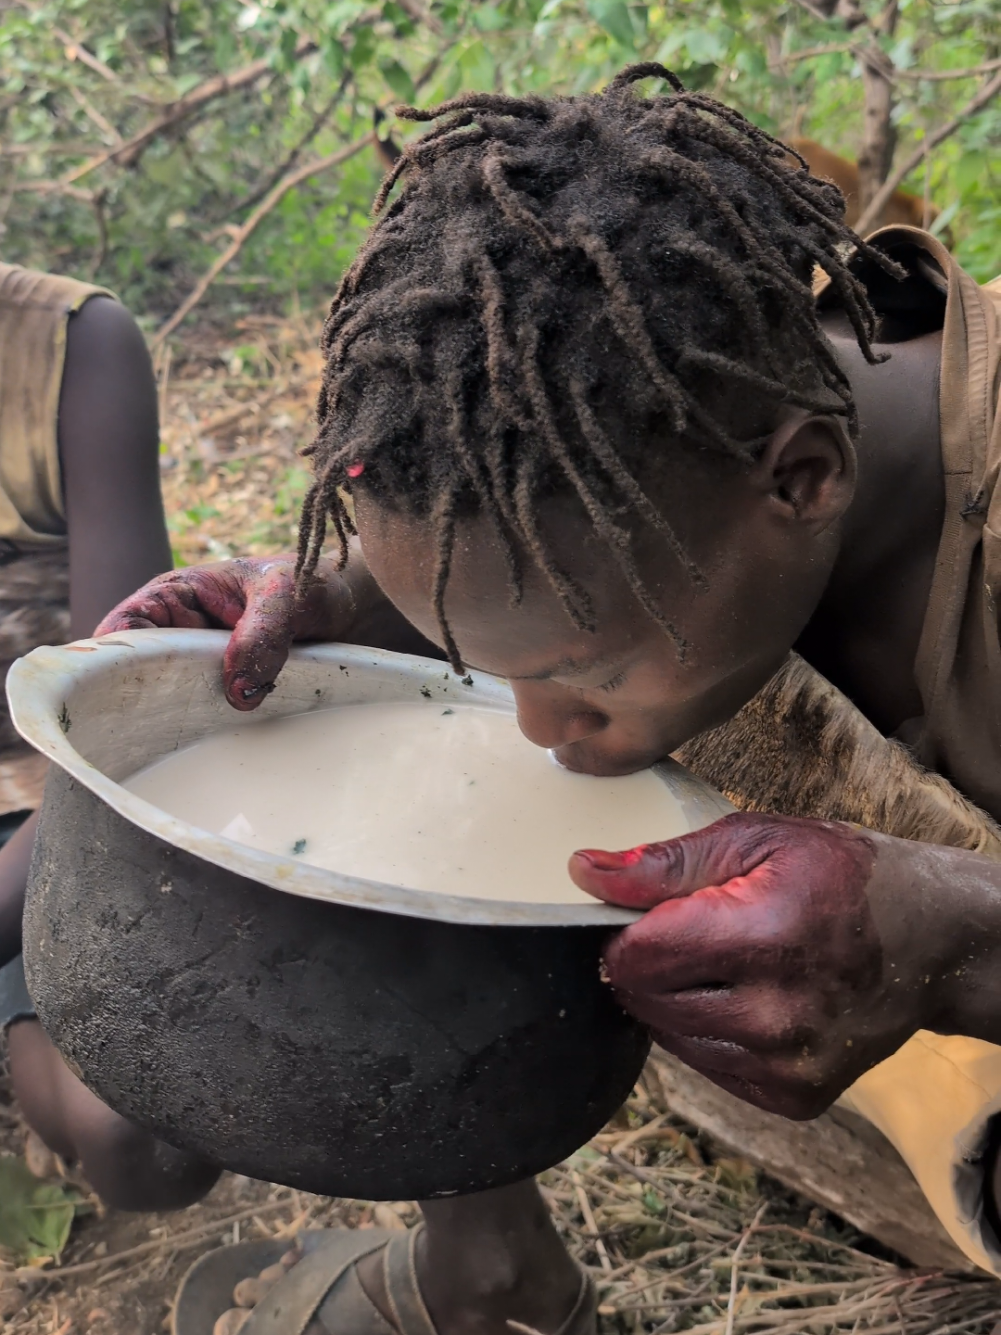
{"x":156,"y":225}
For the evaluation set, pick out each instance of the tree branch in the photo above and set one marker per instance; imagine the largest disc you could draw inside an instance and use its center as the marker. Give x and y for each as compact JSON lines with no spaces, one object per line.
{"x":861,"y":53}
{"x":879,"y":135}
{"x":879,"y":200}
{"x":259,"y":191}
{"x":241,"y":234}
{"x":808,"y":53}
{"x":126,"y":153}
{"x":973,"y":72}
{"x":56,"y":188}
{"x":75,"y":50}
{"x":111,"y":135}
{"x":916,"y":76}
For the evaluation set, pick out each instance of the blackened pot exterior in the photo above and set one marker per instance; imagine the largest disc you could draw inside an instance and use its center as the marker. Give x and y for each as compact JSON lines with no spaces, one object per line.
{"x":331,"y":1048}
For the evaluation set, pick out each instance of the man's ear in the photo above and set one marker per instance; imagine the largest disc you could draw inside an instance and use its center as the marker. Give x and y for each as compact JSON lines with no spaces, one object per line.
{"x":808,"y":469}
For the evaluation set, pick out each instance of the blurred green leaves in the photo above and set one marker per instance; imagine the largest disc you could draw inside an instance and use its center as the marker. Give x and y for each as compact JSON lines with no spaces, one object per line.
{"x":614,"y":17}
{"x":77,"y":73}
{"x":35,"y":1216}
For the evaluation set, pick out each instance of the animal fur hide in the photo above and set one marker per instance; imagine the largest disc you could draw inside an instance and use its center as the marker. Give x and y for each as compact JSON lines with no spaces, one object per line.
{"x":801,"y":748}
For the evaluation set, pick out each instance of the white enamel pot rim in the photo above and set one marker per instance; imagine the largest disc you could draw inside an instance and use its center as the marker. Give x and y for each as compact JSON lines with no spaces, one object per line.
{"x":100,"y":709}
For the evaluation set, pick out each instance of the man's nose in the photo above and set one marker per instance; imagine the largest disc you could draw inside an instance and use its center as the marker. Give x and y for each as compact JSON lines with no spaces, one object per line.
{"x":553,"y":716}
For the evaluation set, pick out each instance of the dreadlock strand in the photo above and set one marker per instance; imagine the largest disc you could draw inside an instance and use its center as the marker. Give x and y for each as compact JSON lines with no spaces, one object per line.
{"x":628,"y":320}
{"x":478,"y":473}
{"x":518,"y":213}
{"x":535,"y":108}
{"x":649,"y":69}
{"x":575,"y":599}
{"x":615,"y":537}
{"x":726,"y":366}
{"x":443,"y":528}
{"x":627,"y":484}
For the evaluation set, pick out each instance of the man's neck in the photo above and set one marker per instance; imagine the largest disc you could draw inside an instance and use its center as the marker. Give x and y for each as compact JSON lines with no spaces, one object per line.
{"x":864,"y":635}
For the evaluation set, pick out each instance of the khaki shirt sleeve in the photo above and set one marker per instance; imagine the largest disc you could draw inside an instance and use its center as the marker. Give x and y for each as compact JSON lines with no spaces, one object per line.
{"x":34,"y":312}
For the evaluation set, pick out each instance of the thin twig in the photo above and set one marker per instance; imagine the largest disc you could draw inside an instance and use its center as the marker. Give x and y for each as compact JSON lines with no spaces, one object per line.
{"x":731,"y":1308}
{"x":321,"y":118}
{"x":75,"y":50}
{"x":421,"y":14}
{"x":590,"y":1222}
{"x":125,"y":153}
{"x":179,"y":1241}
{"x":809,"y":52}
{"x":91,"y":112}
{"x":973,"y":72}
{"x":241,"y":234}
{"x":643,"y":1132}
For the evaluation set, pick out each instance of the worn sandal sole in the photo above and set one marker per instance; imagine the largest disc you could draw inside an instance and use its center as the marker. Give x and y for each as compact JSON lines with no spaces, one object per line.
{"x":206,"y":1291}
{"x":329,"y":1257}
{"x":324,"y":1285}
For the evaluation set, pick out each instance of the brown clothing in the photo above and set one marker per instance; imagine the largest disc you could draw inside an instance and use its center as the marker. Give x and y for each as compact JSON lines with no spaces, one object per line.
{"x":800,"y":748}
{"x":958,"y":666}
{"x":34,"y":571}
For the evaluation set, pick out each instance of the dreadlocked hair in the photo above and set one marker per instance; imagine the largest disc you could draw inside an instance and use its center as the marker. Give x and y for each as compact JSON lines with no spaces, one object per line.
{"x":564,"y":289}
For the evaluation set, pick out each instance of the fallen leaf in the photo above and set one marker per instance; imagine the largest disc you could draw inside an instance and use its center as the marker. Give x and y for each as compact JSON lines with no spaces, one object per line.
{"x":35,"y":1217}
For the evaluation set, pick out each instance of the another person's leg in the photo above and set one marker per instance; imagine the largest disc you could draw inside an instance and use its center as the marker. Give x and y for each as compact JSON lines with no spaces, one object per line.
{"x":127,"y":1167}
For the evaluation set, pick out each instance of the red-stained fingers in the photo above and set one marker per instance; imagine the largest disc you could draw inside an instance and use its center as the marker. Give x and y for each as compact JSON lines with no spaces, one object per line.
{"x":256,"y":599}
{"x":644,"y":876}
{"x":194,"y":598}
{"x":759,"y":963}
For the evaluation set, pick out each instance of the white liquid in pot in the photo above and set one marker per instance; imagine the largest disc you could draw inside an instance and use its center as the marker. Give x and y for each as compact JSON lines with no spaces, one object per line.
{"x":448,"y":799}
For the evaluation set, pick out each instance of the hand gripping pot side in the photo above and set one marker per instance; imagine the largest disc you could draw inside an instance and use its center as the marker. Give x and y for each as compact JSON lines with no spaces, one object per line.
{"x":285,"y":1021}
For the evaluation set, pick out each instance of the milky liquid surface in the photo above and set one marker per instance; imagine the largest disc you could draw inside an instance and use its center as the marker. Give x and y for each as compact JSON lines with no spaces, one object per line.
{"x":453,"y":800}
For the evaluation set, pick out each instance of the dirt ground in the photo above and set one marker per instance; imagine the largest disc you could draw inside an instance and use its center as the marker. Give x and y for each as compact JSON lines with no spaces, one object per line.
{"x":677,"y":1236}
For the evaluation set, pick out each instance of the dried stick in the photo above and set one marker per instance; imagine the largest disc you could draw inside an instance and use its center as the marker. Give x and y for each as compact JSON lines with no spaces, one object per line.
{"x":589,"y":1221}
{"x":731,"y":1307}
{"x":882,"y":195}
{"x":193,"y":1237}
{"x":630,"y":1138}
{"x":241,"y":234}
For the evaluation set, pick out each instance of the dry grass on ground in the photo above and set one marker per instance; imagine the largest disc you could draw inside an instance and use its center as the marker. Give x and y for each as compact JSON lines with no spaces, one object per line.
{"x":235,"y":414}
{"x":677,"y":1236}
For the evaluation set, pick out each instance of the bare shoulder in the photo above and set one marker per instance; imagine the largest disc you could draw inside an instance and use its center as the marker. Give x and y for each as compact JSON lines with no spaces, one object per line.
{"x":103,"y":330}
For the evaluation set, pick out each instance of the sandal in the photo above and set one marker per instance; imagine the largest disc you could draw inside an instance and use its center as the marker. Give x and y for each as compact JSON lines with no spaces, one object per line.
{"x":323,"y":1285}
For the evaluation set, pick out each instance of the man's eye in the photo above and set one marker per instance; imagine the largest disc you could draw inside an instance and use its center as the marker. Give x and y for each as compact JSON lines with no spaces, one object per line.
{"x":613,"y":682}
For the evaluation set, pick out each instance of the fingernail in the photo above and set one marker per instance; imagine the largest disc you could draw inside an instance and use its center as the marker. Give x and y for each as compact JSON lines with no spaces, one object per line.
{"x":601,"y":860}
{"x":249,"y":692}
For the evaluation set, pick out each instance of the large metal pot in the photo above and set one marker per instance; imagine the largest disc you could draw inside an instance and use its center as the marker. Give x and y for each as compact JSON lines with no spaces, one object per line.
{"x":288,"y":1022}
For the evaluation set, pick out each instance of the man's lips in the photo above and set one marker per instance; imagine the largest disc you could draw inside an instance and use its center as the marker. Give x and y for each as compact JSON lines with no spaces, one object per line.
{"x":584,"y":759}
